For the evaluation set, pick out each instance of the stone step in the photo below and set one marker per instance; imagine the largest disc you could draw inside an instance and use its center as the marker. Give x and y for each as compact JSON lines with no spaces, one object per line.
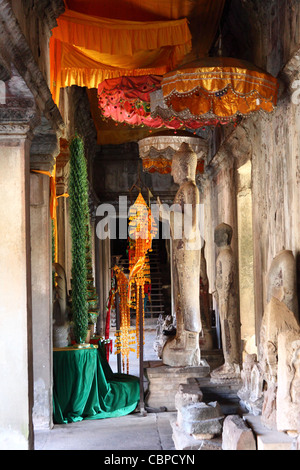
{"x":224,"y":394}
{"x":269,"y":439}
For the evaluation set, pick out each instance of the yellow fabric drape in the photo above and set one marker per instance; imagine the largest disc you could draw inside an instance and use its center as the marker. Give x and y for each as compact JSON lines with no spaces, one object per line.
{"x":85,"y":50}
{"x":204,"y":15}
{"x":136,"y":10}
{"x":119,"y":37}
{"x":53,"y":205}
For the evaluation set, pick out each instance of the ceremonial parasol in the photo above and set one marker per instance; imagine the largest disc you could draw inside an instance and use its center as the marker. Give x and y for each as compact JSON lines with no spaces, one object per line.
{"x":128,"y":100}
{"x":214,"y":90}
{"x":157,"y":151}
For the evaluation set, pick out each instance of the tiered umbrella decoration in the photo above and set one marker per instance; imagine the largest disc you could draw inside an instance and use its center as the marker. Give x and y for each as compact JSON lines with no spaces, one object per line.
{"x":130,"y":100}
{"x":157,"y":151}
{"x":213,"y":91}
{"x":124,"y":337}
{"x":142,"y":230}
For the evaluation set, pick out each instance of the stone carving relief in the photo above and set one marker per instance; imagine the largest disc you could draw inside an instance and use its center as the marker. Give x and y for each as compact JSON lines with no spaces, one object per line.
{"x":288,"y":394}
{"x":251,"y":393}
{"x":277,"y":320}
{"x":61,"y":311}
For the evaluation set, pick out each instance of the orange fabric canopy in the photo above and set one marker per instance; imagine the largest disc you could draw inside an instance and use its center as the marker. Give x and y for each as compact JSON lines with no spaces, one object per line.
{"x":219,"y":86}
{"x":203,"y":15}
{"x":135,"y":10}
{"x":85,"y":50}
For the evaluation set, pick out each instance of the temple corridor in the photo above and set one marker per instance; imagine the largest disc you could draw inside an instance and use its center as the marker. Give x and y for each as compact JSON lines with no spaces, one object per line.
{"x":150,"y":225}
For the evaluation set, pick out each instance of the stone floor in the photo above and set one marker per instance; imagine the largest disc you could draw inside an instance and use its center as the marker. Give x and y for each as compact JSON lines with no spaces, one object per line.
{"x":150,"y":432}
{"x":131,"y":432}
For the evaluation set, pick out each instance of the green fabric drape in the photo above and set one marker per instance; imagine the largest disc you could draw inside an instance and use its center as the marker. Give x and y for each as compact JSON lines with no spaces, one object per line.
{"x":85,"y":387}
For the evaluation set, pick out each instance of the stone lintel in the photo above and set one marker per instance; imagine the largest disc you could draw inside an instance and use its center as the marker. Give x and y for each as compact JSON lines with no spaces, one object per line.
{"x":19,"y":54}
{"x":18,"y":111}
{"x":49,"y":11}
{"x":44,"y":147}
{"x":5,"y":67}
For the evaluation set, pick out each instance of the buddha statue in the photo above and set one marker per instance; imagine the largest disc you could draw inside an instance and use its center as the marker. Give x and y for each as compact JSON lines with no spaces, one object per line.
{"x":183,"y":349}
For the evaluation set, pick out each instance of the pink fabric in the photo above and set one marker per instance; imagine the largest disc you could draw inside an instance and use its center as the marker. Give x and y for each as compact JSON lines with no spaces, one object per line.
{"x":127,"y":99}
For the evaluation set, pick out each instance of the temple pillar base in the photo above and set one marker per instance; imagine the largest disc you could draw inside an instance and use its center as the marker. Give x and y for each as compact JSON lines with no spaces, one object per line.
{"x":164,"y":381}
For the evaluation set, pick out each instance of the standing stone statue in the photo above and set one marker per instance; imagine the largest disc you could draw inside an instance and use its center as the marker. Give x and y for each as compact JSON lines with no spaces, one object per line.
{"x":227,"y":300}
{"x":206,"y":339}
{"x":184,"y":349}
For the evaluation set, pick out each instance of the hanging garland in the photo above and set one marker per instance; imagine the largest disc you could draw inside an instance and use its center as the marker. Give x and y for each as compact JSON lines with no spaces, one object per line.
{"x":78,"y":191}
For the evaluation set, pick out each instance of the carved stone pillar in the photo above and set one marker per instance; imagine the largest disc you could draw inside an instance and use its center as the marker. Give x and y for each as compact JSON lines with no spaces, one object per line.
{"x":43,"y":151}
{"x":62,"y":179}
{"x":18,"y":115}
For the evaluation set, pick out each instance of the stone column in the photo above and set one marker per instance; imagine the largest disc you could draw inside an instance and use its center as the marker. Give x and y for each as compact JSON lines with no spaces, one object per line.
{"x":43,"y":150}
{"x":17,"y":117}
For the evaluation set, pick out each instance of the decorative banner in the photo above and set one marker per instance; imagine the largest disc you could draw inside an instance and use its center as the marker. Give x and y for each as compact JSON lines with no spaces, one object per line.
{"x":216,"y":89}
{"x":157,"y":151}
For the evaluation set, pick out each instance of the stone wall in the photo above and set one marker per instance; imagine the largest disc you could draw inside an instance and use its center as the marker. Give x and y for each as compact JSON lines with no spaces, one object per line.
{"x":270,"y":142}
{"x":36,"y":19}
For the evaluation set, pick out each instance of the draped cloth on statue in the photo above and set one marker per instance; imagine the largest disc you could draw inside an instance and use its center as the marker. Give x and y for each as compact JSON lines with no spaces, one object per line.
{"x":85,"y":50}
{"x":85,"y":387}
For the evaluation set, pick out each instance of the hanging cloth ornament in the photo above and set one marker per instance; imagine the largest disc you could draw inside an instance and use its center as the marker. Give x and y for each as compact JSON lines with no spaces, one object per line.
{"x":142,"y":230}
{"x":124,"y":339}
{"x":156,"y":151}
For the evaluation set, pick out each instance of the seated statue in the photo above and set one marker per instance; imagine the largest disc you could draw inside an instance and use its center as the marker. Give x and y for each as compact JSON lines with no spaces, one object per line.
{"x":282,"y":280}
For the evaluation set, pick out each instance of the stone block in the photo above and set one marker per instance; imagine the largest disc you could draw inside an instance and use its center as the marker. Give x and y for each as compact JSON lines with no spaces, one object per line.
{"x":187,"y":394}
{"x":185,"y":441}
{"x":237,"y":435}
{"x":268,"y":439}
{"x":201,"y":419}
{"x":164,"y":382}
